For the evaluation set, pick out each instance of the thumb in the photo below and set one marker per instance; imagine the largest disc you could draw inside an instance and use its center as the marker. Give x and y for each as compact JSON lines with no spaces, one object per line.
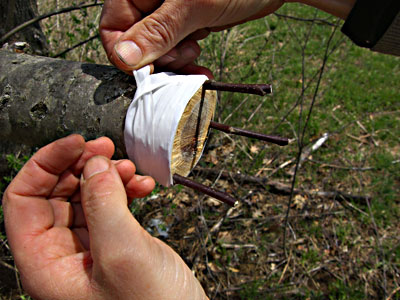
{"x":104,"y":203}
{"x":154,"y":36}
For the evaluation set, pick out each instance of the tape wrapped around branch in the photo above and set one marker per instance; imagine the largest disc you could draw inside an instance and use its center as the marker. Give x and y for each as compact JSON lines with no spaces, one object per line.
{"x":166,"y":123}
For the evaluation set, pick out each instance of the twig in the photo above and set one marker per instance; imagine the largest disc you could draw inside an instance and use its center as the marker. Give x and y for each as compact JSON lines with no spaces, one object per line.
{"x":314,"y":20}
{"x":217,"y":226}
{"x":247,"y":133}
{"x":279,"y":187}
{"x":366,"y":131}
{"x":238,"y":247}
{"x":379,"y":246}
{"x":76,"y":45}
{"x":44,"y":16}
{"x":326,"y":55}
{"x":310,"y":149}
{"x":393,"y":293}
{"x":255,"y":89}
{"x":224,"y":197}
{"x":326,"y":165}
{"x":4,"y":264}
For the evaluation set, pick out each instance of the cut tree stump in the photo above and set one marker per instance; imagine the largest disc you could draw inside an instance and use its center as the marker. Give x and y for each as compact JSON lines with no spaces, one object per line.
{"x":192,"y":132}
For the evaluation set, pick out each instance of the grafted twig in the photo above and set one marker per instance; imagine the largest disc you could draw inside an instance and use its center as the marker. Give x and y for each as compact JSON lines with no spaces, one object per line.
{"x":224,"y":197}
{"x":247,"y":133}
{"x":255,"y":89}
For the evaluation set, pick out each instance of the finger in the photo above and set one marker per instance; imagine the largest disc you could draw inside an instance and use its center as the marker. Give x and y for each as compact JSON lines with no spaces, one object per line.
{"x":27,"y":211}
{"x":136,"y":187}
{"x":184,"y":53}
{"x":126,"y":170}
{"x":83,"y":236}
{"x":101,"y":146}
{"x":199,"y":34}
{"x":76,"y":197}
{"x":147,"y":6}
{"x":66,"y":185}
{"x":111,"y":27}
{"x":78,"y":216}
{"x":41,"y":173}
{"x":104,"y":203}
{"x":139,"y":186}
{"x":195,"y":69}
{"x":154,"y":36}
{"x":63,"y":213}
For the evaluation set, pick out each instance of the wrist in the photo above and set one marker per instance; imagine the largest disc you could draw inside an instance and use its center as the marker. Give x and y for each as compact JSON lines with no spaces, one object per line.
{"x":338,"y":8}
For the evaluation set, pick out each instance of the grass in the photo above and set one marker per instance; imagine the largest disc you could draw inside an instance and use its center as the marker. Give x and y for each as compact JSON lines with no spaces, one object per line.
{"x":335,"y":248}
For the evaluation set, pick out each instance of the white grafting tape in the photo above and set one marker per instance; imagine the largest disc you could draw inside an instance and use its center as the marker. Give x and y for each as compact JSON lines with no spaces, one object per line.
{"x":152,"y":119}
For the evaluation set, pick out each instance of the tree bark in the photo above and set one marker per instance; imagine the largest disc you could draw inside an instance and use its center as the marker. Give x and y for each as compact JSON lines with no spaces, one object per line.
{"x":14,"y":13}
{"x":43,"y":99}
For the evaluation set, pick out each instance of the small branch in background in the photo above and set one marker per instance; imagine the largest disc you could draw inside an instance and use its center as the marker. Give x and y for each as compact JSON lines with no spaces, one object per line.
{"x":302,"y":135}
{"x":314,"y":20}
{"x":279,"y":187}
{"x":96,"y":36}
{"x":44,"y":16}
{"x":238,"y":246}
{"x":393,"y":293}
{"x":358,"y":169}
{"x":309,"y":150}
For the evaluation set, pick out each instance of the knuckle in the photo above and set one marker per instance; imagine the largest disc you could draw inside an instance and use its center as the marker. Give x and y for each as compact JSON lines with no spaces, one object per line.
{"x":161,"y":30}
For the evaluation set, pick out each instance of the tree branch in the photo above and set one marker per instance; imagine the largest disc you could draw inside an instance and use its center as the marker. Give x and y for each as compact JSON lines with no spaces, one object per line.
{"x":44,"y":16}
{"x":96,"y":36}
{"x":43,"y":99}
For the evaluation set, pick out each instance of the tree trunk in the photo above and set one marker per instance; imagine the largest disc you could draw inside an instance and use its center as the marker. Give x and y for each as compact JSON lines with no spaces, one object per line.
{"x":14,"y":13}
{"x":43,"y":99}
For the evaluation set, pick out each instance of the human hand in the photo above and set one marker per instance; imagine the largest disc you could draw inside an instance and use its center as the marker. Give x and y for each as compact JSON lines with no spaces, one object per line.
{"x":136,"y":33}
{"x":76,"y":239}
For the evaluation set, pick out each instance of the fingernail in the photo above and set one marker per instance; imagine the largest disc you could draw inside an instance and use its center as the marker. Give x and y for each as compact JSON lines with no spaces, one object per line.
{"x":94,"y":166}
{"x":129,"y":52}
{"x":140,"y":178}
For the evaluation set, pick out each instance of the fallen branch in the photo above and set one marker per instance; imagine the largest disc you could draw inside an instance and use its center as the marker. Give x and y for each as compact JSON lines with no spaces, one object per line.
{"x":278,"y":187}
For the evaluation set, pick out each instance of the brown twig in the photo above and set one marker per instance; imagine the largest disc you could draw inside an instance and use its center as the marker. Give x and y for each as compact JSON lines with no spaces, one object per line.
{"x":243,"y":132}
{"x":224,"y":197}
{"x":76,"y":45}
{"x":255,"y":89}
{"x":281,"y":188}
{"x":44,"y":16}
{"x":313,"y":20}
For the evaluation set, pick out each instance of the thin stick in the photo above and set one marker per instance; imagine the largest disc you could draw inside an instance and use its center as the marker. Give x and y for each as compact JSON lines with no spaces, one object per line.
{"x":255,"y":89}
{"x":38,"y":18}
{"x":243,"y":132}
{"x":76,"y":45}
{"x":224,"y":197}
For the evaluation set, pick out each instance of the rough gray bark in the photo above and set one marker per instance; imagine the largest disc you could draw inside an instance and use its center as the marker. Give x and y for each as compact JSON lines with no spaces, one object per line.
{"x":43,"y":99}
{"x":14,"y":13}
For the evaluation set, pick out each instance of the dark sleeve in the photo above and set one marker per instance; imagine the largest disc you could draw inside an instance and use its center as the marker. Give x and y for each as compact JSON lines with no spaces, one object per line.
{"x":375,"y":24}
